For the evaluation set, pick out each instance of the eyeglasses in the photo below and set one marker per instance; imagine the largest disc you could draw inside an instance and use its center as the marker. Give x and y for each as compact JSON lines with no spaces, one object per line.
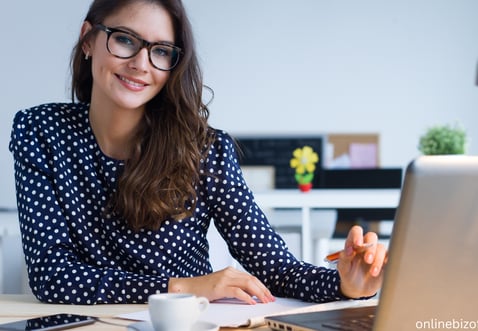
{"x":125,"y":45}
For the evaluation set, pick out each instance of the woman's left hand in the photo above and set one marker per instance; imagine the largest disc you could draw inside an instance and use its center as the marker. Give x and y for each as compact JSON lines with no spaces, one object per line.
{"x":361,"y":272}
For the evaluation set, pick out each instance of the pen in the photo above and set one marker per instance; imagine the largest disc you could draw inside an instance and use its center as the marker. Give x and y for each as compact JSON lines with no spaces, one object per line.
{"x":334,"y":257}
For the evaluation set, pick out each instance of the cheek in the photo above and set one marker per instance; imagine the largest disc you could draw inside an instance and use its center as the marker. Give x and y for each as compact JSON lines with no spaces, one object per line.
{"x":98,"y":71}
{"x":161,"y":78}
{"x":103,"y":66}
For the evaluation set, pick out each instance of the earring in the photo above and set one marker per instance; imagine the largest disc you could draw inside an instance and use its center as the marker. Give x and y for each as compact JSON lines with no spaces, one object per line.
{"x":87,"y":56}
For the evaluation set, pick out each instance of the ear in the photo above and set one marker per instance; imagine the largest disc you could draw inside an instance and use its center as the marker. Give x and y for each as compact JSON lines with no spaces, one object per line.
{"x":85,"y":28}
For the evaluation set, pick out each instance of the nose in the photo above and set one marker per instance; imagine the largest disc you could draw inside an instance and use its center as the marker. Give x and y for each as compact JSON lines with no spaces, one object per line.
{"x":140,"y":61}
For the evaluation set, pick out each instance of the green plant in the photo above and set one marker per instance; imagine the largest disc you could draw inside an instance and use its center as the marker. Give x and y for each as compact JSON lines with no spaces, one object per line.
{"x":443,"y":139}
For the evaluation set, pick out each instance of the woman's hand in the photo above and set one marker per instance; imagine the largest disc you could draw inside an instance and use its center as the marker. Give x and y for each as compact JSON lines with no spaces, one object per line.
{"x":226,"y":283}
{"x":361,"y":273}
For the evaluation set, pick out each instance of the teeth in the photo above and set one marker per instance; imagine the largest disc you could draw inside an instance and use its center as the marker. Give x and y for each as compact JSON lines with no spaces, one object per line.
{"x":131,"y":82}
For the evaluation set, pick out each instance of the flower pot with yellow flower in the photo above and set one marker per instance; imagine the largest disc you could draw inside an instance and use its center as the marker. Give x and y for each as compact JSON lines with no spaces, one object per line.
{"x":303,"y":162}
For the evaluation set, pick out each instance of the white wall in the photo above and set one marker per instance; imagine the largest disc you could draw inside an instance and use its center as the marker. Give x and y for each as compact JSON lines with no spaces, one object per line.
{"x":392,"y":67}
{"x":34,"y":59}
{"x":277,"y":66}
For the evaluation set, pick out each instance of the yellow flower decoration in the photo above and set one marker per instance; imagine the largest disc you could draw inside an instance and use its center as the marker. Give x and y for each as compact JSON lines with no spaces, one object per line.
{"x":303,"y":162}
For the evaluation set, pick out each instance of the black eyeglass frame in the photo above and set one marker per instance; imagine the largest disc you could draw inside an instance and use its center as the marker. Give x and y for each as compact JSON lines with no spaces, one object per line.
{"x":144,"y":44}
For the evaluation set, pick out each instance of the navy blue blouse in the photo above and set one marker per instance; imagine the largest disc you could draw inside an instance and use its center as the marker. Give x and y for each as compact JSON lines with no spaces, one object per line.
{"x":77,"y":254}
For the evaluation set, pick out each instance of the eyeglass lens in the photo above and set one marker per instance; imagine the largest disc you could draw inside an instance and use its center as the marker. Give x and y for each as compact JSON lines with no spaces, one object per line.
{"x":124,"y":45}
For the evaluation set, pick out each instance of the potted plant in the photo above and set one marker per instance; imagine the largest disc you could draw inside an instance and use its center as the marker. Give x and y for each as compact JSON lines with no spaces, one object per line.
{"x":303,"y":161}
{"x":443,"y":139}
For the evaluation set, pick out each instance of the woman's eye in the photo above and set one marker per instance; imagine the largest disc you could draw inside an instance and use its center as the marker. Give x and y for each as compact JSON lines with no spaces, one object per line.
{"x":162,"y":51}
{"x":124,"y":39}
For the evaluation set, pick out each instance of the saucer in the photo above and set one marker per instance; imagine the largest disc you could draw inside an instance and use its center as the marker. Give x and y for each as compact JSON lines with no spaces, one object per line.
{"x":198,"y":326}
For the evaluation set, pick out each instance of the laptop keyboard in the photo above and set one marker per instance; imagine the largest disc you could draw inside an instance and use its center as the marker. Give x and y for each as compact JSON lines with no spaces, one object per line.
{"x":357,"y":324}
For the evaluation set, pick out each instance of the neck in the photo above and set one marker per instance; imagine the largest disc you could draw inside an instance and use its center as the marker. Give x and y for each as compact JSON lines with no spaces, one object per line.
{"x":114,"y":129}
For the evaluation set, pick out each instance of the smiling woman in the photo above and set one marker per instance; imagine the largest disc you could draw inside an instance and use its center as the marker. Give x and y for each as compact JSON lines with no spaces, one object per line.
{"x":117,"y":189}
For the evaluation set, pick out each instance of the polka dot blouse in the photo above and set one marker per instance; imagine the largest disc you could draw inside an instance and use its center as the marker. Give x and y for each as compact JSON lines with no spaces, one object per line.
{"x":75,"y":254}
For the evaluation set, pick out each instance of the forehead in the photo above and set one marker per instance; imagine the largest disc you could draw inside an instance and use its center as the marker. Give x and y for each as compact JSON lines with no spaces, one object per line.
{"x":149,"y":20}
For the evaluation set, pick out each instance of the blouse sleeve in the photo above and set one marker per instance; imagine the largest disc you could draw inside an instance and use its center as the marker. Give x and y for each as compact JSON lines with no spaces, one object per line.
{"x":251,"y":239}
{"x":57,"y":274}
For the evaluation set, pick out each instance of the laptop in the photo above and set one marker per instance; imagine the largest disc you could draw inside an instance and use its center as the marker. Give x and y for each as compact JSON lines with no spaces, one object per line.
{"x":430,"y":278}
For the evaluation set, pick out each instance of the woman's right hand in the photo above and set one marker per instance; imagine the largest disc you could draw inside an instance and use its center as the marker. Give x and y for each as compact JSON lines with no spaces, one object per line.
{"x":225,"y":283}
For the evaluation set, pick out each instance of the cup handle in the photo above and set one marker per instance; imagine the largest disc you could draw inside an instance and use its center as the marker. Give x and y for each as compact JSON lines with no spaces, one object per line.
{"x":203,"y":303}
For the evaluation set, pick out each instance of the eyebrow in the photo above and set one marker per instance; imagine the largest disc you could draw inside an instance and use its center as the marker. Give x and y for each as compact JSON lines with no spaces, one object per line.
{"x":137,"y":35}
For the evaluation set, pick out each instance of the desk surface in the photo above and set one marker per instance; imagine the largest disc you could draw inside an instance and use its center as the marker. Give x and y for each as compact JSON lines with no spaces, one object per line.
{"x":18,"y":307}
{"x":15,"y":307}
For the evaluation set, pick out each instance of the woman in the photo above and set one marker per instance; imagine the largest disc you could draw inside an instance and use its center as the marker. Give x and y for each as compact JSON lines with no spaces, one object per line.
{"x":116,"y":190}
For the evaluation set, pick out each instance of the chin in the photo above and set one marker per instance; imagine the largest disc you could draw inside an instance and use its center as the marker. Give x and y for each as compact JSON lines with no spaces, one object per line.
{"x":130,"y":104}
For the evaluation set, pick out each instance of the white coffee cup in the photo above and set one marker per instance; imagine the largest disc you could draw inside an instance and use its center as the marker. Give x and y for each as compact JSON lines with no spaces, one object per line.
{"x":175,"y":311}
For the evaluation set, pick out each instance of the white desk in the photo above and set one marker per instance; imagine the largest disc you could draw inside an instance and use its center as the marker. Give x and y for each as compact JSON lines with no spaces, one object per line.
{"x":325,"y":199}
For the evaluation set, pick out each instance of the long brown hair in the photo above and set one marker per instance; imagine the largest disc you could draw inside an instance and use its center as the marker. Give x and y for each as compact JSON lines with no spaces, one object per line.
{"x":158,"y":181}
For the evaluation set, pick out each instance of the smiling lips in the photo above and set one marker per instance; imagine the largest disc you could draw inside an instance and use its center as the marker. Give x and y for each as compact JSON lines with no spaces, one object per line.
{"x":135,"y":85}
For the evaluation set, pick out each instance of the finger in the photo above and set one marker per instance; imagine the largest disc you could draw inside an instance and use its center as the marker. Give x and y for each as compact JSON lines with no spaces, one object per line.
{"x":370,"y":239}
{"x":379,"y":261}
{"x":240,"y":294}
{"x":248,"y":285}
{"x":263,"y":294}
{"x":354,"y":237}
{"x":230,"y":285}
{"x":254,"y":287}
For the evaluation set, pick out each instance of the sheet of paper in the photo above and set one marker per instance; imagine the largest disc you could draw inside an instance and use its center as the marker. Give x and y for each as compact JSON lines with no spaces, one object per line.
{"x":363,"y":155}
{"x":234,"y":313}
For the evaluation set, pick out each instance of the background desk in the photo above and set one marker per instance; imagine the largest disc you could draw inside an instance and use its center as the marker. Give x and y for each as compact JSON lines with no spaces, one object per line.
{"x":325,"y":199}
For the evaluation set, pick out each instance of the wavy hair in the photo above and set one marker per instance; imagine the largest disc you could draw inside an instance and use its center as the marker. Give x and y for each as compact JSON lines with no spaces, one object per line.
{"x":158,"y":180}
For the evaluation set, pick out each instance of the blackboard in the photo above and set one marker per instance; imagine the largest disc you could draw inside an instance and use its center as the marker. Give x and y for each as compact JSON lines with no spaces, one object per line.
{"x":277,"y":151}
